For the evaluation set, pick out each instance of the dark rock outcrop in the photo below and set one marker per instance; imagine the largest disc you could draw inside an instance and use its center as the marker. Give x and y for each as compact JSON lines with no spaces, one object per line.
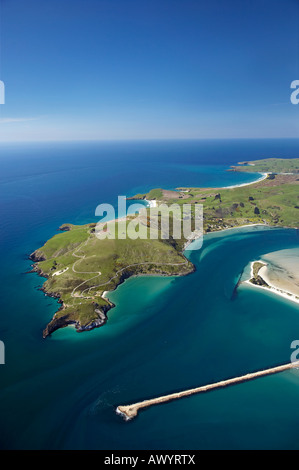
{"x":36,"y":257}
{"x":65,"y":320}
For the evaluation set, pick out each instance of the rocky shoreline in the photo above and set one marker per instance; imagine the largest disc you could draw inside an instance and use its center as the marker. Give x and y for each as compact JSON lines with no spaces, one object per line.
{"x":64,"y":321}
{"x":101,"y":311}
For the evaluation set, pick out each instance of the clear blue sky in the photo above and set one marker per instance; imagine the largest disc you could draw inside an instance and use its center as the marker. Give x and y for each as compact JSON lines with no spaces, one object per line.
{"x":143,"y":69}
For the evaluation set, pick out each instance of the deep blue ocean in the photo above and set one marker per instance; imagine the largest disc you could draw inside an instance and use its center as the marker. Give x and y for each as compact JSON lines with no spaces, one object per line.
{"x":165,"y":334}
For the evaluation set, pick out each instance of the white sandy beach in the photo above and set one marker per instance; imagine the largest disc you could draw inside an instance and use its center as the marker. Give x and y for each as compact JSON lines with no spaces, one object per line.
{"x":263,"y":177}
{"x":287,"y":289}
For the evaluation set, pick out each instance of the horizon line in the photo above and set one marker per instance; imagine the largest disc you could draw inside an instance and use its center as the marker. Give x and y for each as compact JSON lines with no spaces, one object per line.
{"x":153,"y":139}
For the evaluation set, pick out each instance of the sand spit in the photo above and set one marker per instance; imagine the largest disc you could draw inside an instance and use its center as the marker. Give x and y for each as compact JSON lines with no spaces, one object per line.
{"x":270,"y":286}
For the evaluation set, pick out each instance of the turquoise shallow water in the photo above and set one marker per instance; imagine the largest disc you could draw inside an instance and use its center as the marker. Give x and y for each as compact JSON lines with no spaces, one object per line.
{"x":164,"y":335}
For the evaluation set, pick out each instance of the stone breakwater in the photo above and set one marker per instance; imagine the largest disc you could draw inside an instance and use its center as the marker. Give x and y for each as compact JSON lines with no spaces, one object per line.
{"x":130,"y":411}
